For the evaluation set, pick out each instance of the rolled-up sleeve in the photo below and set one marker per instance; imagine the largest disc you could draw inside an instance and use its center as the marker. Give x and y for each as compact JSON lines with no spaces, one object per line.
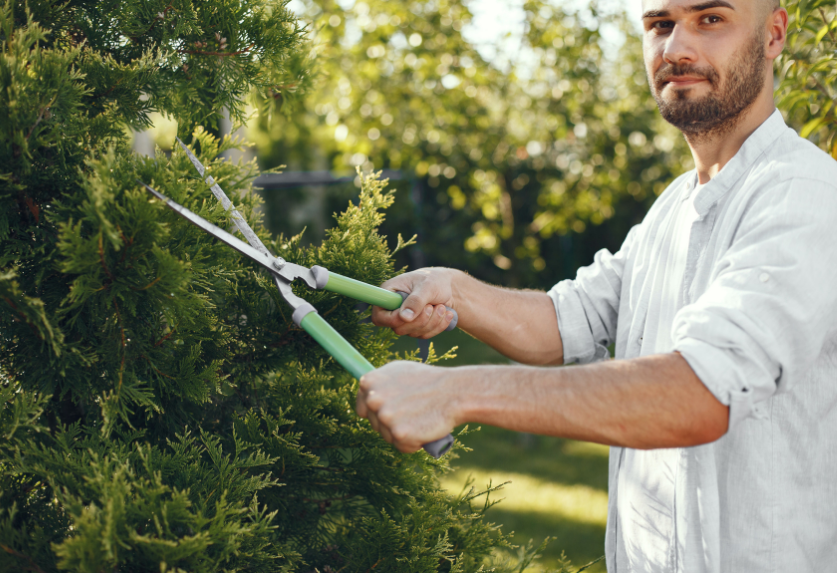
{"x":766,"y":313}
{"x":587,"y":307}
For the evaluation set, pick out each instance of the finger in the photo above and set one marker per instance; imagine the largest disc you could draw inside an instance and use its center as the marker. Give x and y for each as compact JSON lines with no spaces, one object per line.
{"x":417,"y":326}
{"x":417,"y":300}
{"x":407,"y":447}
{"x":380,"y":427}
{"x":386,"y":318}
{"x":437,"y":322}
{"x":385,"y":433}
{"x":373,"y":420}
{"x":387,"y":420}
{"x":360,"y":404}
{"x":364,"y":388}
{"x":403,"y":440}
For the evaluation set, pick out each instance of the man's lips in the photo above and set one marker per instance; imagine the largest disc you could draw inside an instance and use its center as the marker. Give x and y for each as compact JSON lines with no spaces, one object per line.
{"x":683,"y":81}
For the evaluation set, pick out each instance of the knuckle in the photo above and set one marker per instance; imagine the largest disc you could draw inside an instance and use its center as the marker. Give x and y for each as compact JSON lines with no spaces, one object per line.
{"x":386,"y":417}
{"x":399,"y":433}
{"x":421,"y":321}
{"x":374,"y":403}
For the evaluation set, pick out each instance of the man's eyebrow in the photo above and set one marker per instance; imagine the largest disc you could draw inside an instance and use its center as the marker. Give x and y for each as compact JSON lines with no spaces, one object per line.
{"x":691,"y":9}
{"x":708,"y":5}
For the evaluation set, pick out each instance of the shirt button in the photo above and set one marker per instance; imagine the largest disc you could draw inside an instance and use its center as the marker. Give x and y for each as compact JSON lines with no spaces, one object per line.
{"x":764,"y":277}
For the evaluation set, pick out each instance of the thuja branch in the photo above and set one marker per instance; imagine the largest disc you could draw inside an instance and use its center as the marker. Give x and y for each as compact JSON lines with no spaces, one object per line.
{"x":219,"y":54}
{"x":122,"y":334}
{"x":44,"y":111}
{"x":102,"y":258}
{"x":166,"y":337}
{"x":160,"y":17}
{"x":328,"y":499}
{"x":32,"y":565}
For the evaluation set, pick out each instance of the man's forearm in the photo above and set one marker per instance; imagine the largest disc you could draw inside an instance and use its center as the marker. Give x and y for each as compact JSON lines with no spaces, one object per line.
{"x":519,"y":324}
{"x":649,"y":402}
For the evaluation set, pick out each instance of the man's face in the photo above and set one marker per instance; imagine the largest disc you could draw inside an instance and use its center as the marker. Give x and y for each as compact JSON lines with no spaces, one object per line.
{"x":705,"y":60}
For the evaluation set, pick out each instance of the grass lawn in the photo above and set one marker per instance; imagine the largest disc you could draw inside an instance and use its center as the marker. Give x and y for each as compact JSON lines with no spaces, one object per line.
{"x":558,"y":487}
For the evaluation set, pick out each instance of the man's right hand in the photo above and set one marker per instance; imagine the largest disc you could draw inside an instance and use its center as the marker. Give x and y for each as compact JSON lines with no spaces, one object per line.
{"x":423,"y":313}
{"x":519,"y":324}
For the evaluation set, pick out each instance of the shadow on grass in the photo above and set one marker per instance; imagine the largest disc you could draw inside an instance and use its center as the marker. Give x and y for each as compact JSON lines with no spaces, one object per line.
{"x":581,"y":542}
{"x":551,"y":459}
{"x":558,"y":489}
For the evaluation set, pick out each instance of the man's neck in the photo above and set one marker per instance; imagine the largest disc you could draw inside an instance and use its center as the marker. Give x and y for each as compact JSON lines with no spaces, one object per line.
{"x":713,"y":152}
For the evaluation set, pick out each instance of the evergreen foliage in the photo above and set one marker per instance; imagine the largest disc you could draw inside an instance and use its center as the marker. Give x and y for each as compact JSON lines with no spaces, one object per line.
{"x":160,"y":411}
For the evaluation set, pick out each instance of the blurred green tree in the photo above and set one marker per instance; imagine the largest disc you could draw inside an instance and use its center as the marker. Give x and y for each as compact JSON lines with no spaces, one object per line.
{"x":514,"y":154}
{"x":159,"y":411}
{"x":808,"y":72}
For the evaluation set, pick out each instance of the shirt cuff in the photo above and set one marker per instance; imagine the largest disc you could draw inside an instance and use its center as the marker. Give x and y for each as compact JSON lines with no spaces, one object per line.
{"x":576,"y":333}
{"x":734,"y":382}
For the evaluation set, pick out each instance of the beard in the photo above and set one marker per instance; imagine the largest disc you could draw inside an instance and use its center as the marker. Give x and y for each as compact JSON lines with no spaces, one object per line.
{"x":720,"y":110}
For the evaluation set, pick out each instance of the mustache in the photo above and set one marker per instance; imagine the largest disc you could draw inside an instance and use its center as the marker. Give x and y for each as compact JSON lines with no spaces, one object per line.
{"x":669,"y":71}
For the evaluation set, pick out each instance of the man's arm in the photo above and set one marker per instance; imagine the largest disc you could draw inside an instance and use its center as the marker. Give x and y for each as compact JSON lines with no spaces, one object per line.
{"x":648,"y":402}
{"x":519,"y":324}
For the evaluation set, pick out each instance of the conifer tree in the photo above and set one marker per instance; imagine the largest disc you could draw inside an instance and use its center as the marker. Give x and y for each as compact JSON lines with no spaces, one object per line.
{"x":160,"y":411}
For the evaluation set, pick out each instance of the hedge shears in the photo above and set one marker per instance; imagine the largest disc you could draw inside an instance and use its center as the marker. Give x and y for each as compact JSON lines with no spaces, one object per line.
{"x":285,"y":273}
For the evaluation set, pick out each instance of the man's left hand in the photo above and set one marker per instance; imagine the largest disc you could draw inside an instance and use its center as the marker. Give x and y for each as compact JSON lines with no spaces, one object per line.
{"x":408,"y":403}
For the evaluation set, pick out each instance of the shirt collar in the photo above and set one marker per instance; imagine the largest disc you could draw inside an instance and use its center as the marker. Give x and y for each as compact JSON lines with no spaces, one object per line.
{"x":741,"y":162}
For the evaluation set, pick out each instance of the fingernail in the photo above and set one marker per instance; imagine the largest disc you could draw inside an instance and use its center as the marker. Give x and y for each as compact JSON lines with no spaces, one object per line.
{"x":428,"y":311}
{"x":449,"y":316}
{"x":441,"y":310}
{"x":407,"y":314}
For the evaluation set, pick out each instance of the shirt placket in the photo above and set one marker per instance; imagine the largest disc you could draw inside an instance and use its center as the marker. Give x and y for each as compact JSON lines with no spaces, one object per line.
{"x":698,"y":241}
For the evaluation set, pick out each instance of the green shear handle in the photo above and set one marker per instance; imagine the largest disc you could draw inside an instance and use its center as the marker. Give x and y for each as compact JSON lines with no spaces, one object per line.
{"x":364,"y":292}
{"x":349,"y":358}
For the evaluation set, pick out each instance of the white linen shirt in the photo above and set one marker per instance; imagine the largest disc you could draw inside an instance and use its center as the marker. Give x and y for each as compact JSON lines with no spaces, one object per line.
{"x":757,"y":322}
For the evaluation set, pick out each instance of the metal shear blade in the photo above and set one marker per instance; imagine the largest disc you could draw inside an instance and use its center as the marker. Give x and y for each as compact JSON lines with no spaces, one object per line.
{"x":281,"y":269}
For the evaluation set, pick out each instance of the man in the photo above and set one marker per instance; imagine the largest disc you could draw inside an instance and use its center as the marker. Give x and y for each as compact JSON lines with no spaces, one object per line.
{"x":721,"y":405}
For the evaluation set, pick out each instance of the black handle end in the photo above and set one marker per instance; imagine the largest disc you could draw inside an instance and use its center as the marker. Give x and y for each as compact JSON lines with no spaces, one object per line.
{"x":440,"y":447}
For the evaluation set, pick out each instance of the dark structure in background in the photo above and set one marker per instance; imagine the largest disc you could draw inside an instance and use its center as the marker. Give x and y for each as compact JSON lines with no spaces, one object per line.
{"x":273,"y":184}
{"x":305,"y":200}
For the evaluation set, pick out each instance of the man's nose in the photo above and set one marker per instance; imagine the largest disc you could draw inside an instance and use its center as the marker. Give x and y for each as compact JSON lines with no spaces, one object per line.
{"x":680,"y":47}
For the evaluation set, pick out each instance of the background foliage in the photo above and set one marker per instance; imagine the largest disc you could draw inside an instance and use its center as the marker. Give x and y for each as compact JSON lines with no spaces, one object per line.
{"x":520,"y":167}
{"x":510,"y":158}
{"x":808,"y":71}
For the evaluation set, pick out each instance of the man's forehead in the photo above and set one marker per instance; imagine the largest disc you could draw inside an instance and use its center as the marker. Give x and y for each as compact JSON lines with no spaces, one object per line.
{"x":654,"y":7}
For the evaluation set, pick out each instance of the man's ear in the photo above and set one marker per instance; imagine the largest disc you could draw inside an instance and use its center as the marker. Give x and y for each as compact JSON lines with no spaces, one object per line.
{"x":777,"y":31}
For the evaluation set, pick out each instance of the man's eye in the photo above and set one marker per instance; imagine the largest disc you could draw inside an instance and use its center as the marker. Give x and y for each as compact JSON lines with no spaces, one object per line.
{"x":711,"y":19}
{"x":662,"y":25}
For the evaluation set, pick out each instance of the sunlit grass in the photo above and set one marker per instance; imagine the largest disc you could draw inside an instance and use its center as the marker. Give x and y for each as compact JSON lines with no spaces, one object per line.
{"x":526,"y":494}
{"x":558,"y":489}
